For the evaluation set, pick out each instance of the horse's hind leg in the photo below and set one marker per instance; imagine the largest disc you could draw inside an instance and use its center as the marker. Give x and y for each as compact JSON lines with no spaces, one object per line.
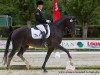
{"x":15,"y":46}
{"x":10,"y":57}
{"x":20,"y":54}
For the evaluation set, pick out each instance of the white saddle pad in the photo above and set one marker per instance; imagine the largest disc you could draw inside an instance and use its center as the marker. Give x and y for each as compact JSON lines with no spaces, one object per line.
{"x":36,"y":34}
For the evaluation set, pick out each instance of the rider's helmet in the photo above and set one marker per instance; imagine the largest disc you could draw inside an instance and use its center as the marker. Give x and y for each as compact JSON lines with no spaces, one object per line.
{"x":39,"y":2}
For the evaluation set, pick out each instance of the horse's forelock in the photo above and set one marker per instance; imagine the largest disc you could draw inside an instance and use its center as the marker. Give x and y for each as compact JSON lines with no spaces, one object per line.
{"x":71,"y":17}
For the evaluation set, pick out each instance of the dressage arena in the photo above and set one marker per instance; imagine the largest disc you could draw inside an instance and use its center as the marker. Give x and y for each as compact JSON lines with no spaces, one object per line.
{"x":36,"y":59}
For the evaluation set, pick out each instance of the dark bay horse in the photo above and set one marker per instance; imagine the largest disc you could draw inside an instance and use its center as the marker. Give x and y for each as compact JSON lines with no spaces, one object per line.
{"x":21,"y":39}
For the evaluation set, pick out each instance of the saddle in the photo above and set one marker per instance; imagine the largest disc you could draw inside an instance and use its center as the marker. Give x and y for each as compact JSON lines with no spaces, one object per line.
{"x":37,"y":34}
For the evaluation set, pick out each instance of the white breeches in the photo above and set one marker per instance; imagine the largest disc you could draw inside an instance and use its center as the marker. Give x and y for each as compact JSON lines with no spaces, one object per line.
{"x":41,"y":27}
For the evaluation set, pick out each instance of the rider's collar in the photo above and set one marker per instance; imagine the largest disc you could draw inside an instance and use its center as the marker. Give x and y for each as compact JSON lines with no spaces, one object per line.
{"x":39,"y":9}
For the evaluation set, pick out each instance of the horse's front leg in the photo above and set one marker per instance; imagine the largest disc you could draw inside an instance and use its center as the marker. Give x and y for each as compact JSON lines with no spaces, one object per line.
{"x":65,"y":50}
{"x":50,"y":50}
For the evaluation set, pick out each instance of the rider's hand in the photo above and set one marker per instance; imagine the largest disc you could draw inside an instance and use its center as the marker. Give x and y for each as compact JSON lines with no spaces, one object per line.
{"x":48,"y":21}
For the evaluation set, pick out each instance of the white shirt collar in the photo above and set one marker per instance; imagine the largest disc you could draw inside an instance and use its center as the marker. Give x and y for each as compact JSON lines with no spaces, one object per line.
{"x":39,"y":9}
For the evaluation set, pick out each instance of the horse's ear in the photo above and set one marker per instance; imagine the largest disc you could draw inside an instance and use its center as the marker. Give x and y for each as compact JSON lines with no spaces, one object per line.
{"x":73,"y":18}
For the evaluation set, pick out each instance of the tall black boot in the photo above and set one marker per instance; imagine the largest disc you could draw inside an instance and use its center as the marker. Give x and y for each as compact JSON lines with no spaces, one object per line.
{"x":44,"y":39}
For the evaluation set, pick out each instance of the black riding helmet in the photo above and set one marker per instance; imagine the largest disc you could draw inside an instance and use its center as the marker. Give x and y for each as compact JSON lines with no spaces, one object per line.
{"x":39,"y":2}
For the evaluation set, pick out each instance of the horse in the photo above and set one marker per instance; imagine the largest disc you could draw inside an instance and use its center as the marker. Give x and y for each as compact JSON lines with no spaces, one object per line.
{"x":21,"y":39}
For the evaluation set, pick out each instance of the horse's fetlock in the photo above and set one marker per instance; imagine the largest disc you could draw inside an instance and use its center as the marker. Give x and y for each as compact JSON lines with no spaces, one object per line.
{"x":19,"y":55}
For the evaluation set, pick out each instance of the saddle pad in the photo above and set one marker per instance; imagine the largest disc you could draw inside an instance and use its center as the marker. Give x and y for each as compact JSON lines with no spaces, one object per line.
{"x":36,"y":34}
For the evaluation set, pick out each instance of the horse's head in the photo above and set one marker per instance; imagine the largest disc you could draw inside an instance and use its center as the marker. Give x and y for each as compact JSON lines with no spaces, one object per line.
{"x":70,"y":24}
{"x":66,"y":22}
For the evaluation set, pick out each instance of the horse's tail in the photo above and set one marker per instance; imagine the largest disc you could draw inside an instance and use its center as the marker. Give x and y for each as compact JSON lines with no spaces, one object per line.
{"x":7,"y":48}
{"x":10,"y":29}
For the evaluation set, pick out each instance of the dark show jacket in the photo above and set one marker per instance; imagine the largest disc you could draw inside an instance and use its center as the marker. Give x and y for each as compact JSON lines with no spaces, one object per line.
{"x":39,"y":17}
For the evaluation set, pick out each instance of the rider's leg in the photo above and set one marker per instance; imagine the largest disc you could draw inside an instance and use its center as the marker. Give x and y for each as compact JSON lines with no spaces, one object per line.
{"x":41,"y":27}
{"x":43,"y":30}
{"x":43,"y":38}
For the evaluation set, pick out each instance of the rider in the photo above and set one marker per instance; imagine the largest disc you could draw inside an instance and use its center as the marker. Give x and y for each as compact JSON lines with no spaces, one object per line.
{"x":41,"y":21}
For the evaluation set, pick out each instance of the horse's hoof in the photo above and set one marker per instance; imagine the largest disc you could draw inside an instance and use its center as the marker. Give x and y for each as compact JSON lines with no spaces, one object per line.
{"x":28,"y":66}
{"x":45,"y":71}
{"x":71,"y":63}
{"x":43,"y":67}
{"x":8,"y":68}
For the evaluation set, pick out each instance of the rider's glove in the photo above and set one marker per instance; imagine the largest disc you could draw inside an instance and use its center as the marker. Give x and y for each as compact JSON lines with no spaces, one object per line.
{"x":48,"y":21}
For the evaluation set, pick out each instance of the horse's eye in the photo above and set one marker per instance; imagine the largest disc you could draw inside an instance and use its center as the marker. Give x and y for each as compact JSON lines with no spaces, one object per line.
{"x":71,"y":20}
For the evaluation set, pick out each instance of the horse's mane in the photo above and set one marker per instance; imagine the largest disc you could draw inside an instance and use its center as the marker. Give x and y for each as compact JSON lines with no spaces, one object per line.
{"x":58,"y":22}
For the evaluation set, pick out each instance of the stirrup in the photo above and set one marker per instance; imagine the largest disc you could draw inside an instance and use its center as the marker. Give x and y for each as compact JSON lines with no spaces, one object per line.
{"x":44,"y":44}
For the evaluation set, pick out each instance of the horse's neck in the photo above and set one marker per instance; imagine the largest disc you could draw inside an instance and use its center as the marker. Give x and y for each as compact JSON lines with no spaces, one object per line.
{"x":55,"y":30}
{"x":61,"y":27}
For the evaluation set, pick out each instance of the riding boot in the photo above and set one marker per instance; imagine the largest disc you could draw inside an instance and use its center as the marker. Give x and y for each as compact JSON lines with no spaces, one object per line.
{"x":44,"y":39}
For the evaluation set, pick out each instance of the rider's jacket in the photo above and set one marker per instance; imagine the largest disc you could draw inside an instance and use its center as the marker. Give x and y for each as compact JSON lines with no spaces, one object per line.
{"x":39,"y":17}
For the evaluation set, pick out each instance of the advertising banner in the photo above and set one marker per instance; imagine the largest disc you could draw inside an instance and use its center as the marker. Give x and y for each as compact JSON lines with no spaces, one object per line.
{"x":81,"y":44}
{"x":68,"y":44}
